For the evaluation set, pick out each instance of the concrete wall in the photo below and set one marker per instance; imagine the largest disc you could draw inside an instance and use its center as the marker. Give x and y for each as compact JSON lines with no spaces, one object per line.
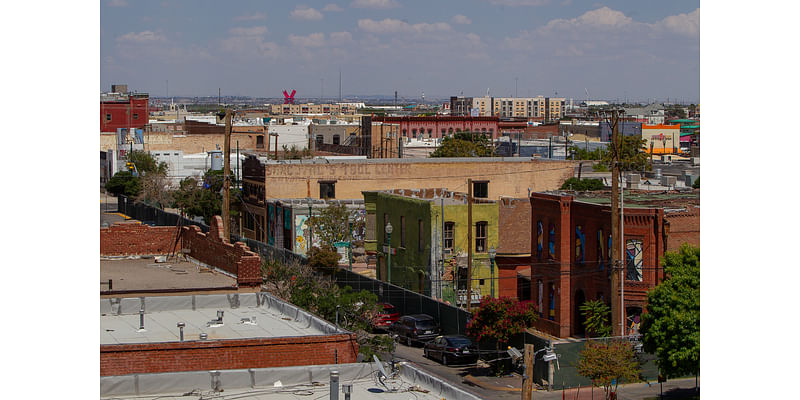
{"x":513,"y":179}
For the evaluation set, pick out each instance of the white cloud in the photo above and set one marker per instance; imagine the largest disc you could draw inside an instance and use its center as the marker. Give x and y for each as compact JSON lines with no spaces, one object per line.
{"x":374,"y":4}
{"x":306,"y":13}
{"x":249,"y":46}
{"x":390,"y":25}
{"x":117,"y":3}
{"x":461,"y":19}
{"x":341,"y":37}
{"x":251,"y":17}
{"x":311,"y":40}
{"x":250,"y":31}
{"x":601,"y":17}
{"x":141,"y":37}
{"x":687,"y":24}
{"x":517,"y":3}
{"x":332,"y":8}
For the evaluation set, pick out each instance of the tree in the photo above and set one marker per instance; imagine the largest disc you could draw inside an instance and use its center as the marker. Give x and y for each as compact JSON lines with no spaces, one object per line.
{"x":332,"y":224}
{"x":631,"y":157}
{"x":499,"y":319}
{"x":124,"y":183}
{"x":465,"y":144}
{"x":146,"y":163}
{"x":582,"y":184}
{"x":696,"y":184}
{"x":204,"y":200}
{"x":608,"y":362}
{"x":596,"y":314}
{"x":581,"y":153}
{"x":671,"y":326}
{"x":324,"y":258}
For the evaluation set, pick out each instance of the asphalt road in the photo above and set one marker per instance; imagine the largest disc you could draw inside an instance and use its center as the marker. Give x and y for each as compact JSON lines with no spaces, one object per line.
{"x":452,"y":374}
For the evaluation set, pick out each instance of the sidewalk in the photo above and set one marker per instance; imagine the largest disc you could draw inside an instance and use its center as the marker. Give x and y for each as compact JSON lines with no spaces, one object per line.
{"x":672,"y":389}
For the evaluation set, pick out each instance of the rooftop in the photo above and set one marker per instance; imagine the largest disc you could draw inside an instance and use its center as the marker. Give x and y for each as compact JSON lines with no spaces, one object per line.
{"x":145,"y":274}
{"x":307,"y":382}
{"x":246,"y":315}
{"x":641,"y":198}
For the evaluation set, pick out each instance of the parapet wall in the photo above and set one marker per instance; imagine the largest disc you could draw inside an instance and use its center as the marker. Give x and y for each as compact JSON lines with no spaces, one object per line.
{"x":211,"y":248}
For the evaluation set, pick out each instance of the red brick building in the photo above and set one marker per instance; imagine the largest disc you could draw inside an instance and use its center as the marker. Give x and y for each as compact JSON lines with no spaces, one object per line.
{"x":438,"y":127}
{"x":570,"y":249}
{"x":120,"y":109}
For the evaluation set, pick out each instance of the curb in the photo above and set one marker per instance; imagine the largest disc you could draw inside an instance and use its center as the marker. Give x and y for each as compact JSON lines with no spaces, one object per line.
{"x":471,"y":379}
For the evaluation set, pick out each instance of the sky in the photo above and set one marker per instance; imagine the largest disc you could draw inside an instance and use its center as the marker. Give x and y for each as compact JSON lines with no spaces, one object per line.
{"x":632,"y":50}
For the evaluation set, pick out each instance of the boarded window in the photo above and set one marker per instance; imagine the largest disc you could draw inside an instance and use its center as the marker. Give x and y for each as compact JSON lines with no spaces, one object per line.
{"x":480,"y":189}
{"x":327,"y":189}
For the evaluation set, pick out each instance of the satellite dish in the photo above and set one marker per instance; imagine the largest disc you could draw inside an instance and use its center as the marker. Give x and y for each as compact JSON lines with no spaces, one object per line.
{"x":381,"y":371}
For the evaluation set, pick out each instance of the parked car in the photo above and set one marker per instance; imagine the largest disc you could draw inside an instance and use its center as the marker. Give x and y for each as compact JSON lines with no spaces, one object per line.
{"x":417,"y":328}
{"x":386,"y":317}
{"x":452,"y":349}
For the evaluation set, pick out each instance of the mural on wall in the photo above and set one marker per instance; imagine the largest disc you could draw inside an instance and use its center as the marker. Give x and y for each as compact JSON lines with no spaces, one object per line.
{"x":271,"y":225}
{"x":539,"y":241}
{"x":633,"y":256}
{"x":580,"y":245}
{"x":552,"y":242}
{"x":600,"y":253}
{"x":552,"y":314}
{"x":541,"y":296}
{"x":302,"y":234}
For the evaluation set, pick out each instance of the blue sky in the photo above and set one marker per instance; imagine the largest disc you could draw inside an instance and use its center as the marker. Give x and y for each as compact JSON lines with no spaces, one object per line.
{"x":637,"y":50}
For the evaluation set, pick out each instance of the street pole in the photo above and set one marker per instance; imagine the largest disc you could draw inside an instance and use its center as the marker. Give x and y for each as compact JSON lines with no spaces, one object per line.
{"x":615,"y":256}
{"x":623,"y":257}
{"x":492,"y":255}
{"x":469,"y":244}
{"x":226,"y":182}
{"x":388,"y":229}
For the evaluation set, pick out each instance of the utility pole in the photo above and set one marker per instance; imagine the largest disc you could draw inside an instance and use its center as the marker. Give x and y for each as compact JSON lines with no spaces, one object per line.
{"x":616,"y":322}
{"x":226,"y":182}
{"x":469,"y":243}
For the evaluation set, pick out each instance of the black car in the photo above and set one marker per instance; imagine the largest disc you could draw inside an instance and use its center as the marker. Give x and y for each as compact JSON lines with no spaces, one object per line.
{"x":452,"y":349}
{"x":415,"y":328}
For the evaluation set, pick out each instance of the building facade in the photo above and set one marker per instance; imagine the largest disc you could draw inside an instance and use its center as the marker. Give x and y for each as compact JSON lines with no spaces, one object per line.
{"x":661,"y":139}
{"x":439,"y":127}
{"x":120,"y":109}
{"x":430,"y":241}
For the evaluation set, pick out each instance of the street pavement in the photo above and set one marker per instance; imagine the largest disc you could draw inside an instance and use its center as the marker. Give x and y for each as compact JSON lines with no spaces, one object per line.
{"x":509,"y":387}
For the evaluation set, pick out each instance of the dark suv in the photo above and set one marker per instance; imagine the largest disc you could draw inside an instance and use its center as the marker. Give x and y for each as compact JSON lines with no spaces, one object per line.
{"x":417,"y":328}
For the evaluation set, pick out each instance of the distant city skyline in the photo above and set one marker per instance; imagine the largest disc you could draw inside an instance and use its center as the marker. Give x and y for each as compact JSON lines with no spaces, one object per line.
{"x":622,"y":49}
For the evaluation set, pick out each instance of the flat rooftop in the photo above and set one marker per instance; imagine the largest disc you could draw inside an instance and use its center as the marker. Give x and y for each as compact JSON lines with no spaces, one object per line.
{"x":479,"y":160}
{"x":145,"y":274}
{"x":245,"y":316}
{"x":287,"y":383}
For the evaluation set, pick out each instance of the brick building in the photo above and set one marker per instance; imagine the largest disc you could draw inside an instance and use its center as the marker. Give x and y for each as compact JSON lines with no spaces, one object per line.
{"x":438,"y":127}
{"x":121,"y":109}
{"x":570,"y":254}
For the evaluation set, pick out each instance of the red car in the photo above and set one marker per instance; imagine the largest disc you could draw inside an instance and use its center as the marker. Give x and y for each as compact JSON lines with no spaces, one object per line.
{"x":386,"y":317}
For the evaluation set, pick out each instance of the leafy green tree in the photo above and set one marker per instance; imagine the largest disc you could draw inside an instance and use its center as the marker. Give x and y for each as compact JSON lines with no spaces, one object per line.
{"x":465,"y":144}
{"x":596,"y":314}
{"x":632,"y":158}
{"x":332,"y":224}
{"x":671,"y":326}
{"x":581,"y":153}
{"x":124,"y":183}
{"x":582,"y":185}
{"x":608,"y":362}
{"x":146,"y":163}
{"x":696,"y":184}
{"x":324,"y":258}
{"x":499,"y":319}
{"x":203,"y":199}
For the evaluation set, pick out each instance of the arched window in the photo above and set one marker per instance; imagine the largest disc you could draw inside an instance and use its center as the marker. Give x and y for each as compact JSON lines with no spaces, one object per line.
{"x":552,"y":242}
{"x":580,"y":245}
{"x":633,"y":260}
{"x":539,"y":240}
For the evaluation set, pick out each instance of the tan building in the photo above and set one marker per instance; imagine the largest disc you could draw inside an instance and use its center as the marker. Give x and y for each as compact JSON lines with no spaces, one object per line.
{"x":546,"y":108}
{"x":335,"y":179}
{"x":311,"y":108}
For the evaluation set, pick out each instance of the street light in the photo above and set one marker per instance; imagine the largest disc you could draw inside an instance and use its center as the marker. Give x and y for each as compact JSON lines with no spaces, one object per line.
{"x":492,"y":254}
{"x":389,"y":256}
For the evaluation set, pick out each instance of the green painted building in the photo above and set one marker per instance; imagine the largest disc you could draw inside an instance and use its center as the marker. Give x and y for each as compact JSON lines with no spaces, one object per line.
{"x":429,"y":240}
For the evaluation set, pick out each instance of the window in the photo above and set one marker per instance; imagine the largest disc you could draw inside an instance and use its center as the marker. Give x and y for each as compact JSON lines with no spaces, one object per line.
{"x":449,"y":232}
{"x":430,"y":131}
{"x":108,"y":117}
{"x":480,"y":237}
{"x":335,"y":139}
{"x":404,"y":132}
{"x":135,"y":115}
{"x":402,"y":231}
{"x":480,"y":189}
{"x":260,"y":141}
{"x":414,"y":133}
{"x":633,"y":258}
{"x":320,"y":139}
{"x":443,"y":131}
{"x":327,"y":189}
{"x":421,"y":241}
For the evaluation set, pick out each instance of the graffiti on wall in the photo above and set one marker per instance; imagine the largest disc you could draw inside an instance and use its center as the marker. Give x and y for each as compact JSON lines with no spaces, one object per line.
{"x":580,"y":245}
{"x":600,"y":253}
{"x":302,"y":234}
{"x":539,"y":239}
{"x":633,"y":256}
{"x":552,"y":242}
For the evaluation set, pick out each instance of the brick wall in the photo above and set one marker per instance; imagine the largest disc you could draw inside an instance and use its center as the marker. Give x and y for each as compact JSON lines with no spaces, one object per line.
{"x":137,"y":239}
{"x":227,"y":354}
{"x":684,"y":227}
{"x":211,"y":249}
